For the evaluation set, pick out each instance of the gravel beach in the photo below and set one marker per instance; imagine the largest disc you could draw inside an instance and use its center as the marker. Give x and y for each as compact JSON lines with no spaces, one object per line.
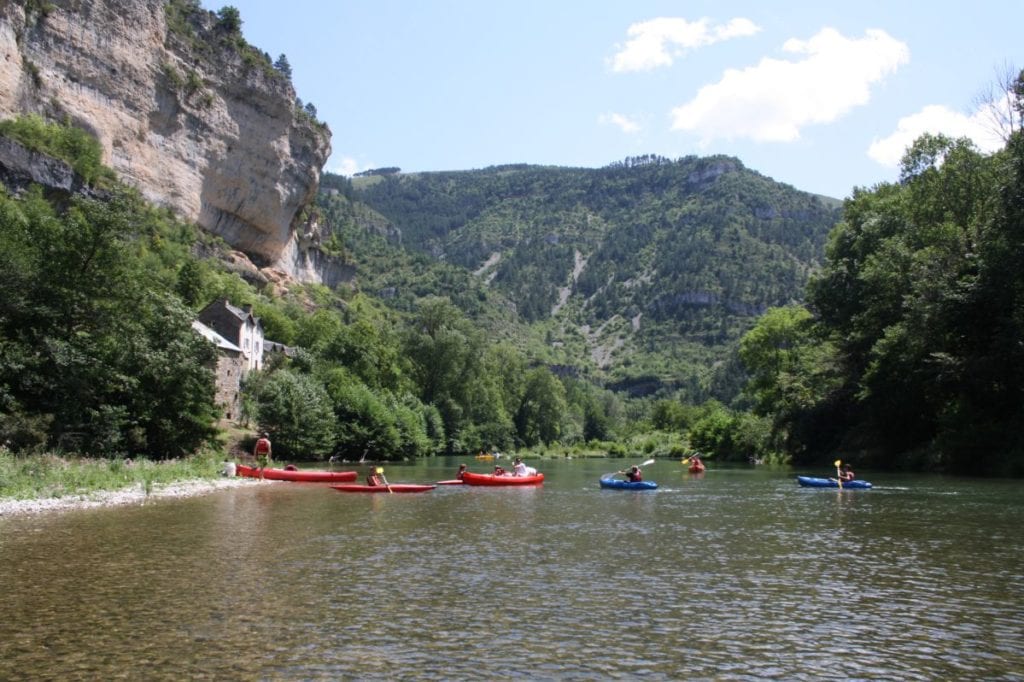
{"x":11,"y":507}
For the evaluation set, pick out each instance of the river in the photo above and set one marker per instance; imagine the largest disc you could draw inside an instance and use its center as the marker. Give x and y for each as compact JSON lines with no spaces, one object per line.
{"x":737,"y":574}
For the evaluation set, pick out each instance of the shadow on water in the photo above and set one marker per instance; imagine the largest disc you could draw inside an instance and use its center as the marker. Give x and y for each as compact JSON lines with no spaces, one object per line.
{"x":734,"y":574}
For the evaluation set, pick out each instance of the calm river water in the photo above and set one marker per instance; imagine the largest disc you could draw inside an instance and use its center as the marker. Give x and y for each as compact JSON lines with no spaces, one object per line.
{"x":739,"y":574}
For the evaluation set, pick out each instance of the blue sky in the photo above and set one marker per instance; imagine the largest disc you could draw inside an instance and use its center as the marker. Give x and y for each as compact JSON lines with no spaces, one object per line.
{"x":820,"y":95}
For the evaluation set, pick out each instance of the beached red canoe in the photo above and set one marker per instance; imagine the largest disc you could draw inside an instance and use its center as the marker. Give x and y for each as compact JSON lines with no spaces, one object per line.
{"x":470,"y":478}
{"x":297,"y":475}
{"x":394,"y":487}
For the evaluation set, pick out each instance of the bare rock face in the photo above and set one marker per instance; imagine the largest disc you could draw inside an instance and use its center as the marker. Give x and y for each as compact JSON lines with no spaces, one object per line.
{"x":185,"y":110}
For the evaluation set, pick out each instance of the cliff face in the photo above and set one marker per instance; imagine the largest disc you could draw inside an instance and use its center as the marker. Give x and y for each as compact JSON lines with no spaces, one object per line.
{"x":185,"y":110}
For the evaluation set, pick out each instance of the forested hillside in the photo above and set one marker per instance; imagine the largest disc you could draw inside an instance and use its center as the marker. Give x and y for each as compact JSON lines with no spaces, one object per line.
{"x":642,"y":274}
{"x":910,"y":353}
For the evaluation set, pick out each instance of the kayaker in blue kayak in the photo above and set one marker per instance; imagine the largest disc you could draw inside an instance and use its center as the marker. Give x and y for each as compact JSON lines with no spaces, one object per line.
{"x":633,"y":474}
{"x":846,"y":473}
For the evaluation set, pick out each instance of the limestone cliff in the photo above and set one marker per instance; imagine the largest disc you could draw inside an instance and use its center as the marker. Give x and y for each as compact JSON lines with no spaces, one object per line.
{"x":186,"y":111}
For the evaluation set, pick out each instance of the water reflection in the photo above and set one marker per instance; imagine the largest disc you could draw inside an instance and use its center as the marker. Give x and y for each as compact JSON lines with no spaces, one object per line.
{"x":738,"y":574}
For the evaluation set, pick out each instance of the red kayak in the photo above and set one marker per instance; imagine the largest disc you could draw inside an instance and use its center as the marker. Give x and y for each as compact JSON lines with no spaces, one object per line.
{"x":394,"y":488}
{"x":470,"y":478}
{"x":297,"y":475}
{"x":697,"y":468}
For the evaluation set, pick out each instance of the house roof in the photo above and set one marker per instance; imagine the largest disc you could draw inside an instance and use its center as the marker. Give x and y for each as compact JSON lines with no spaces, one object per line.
{"x":243,"y":315}
{"x":214,"y":337}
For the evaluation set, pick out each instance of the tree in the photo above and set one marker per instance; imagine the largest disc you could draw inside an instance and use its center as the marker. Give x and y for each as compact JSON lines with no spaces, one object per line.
{"x":229,"y":20}
{"x":539,"y":417}
{"x":296,"y":411}
{"x":283,"y":66}
{"x":94,"y":347}
{"x":444,"y":351}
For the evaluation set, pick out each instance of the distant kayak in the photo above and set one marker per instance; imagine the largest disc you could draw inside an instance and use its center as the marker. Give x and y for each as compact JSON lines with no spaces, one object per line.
{"x":297,"y":475}
{"x":696,"y":468}
{"x":470,"y":478}
{"x":394,"y":488}
{"x":812,"y":482}
{"x":619,"y":484}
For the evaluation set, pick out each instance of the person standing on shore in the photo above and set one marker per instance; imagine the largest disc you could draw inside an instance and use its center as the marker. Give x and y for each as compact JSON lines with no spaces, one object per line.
{"x":261,"y":451}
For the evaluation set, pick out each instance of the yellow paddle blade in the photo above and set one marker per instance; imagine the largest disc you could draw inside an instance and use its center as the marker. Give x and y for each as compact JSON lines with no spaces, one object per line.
{"x":838,"y":462}
{"x":686,"y":460}
{"x":380,"y":470}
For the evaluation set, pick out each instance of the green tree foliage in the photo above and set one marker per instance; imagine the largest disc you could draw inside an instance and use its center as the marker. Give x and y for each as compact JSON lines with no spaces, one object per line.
{"x":229,"y":20}
{"x":296,"y":411}
{"x":666,"y":262}
{"x":366,"y":425}
{"x":98,"y":356}
{"x":78,"y":148}
{"x":914,"y":356}
{"x":444,"y":351}
{"x":283,"y":66}
{"x":540,"y":416}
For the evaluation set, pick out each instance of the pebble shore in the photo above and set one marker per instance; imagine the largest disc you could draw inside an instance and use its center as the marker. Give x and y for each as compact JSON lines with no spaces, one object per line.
{"x":12,"y":507}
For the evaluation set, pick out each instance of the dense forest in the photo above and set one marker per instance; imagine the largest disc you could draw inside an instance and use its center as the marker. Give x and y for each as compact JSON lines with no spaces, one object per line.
{"x":641,"y":275}
{"x":470,"y":324}
{"x":909,"y":351}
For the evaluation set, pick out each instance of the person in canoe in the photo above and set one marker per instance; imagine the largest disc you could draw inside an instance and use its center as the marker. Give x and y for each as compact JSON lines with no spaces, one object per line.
{"x":846,"y":473}
{"x":462,"y":470}
{"x":633,"y":474}
{"x":499,"y":470}
{"x":373,"y":476}
{"x":518,"y":468}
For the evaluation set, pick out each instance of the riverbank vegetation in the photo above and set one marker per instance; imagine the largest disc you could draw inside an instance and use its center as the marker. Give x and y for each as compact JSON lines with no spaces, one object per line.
{"x":50,"y":476}
{"x":909,"y":348}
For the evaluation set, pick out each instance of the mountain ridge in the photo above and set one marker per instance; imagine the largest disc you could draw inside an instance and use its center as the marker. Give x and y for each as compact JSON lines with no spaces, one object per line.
{"x":609,"y":263}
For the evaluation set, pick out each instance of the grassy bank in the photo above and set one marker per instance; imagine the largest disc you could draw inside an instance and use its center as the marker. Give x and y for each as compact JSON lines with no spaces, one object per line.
{"x":49,"y":476}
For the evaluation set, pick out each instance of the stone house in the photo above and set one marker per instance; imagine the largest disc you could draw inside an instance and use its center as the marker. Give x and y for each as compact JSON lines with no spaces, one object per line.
{"x":238,"y":335}
{"x":240,"y":327}
{"x":228,"y":371}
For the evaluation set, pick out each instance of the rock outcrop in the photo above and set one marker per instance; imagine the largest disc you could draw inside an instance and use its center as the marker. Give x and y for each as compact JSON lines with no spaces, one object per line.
{"x":185,"y":110}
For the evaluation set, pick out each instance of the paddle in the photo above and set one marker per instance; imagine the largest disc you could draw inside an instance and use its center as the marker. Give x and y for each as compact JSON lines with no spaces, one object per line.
{"x":380,"y":470}
{"x":643,"y":464}
{"x":839,"y":475}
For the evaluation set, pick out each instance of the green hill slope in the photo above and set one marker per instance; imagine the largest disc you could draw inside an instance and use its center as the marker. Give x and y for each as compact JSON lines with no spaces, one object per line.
{"x":642,"y":274}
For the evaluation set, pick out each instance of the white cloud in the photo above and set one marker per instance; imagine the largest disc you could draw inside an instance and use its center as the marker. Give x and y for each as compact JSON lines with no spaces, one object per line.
{"x":772,"y":101}
{"x":658,"y":42}
{"x":345,"y":166}
{"x":935,"y":119}
{"x":624,"y":123}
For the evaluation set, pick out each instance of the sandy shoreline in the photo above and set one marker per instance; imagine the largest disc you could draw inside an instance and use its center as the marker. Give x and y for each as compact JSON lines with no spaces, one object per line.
{"x":12,"y":507}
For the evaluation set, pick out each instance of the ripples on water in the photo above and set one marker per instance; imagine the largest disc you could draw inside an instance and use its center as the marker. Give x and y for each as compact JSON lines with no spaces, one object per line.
{"x":739,"y":574}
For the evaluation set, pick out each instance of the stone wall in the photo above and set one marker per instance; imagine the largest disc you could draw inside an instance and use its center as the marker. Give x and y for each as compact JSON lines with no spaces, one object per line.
{"x":230,"y":367}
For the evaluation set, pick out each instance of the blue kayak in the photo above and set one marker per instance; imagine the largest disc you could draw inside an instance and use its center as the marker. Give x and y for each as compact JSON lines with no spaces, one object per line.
{"x":812,"y":482}
{"x":617,"y":484}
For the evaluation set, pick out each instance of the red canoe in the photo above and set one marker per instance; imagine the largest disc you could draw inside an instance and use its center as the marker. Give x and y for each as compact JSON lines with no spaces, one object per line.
{"x":297,"y":475}
{"x":470,"y":478}
{"x":394,"y":487}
